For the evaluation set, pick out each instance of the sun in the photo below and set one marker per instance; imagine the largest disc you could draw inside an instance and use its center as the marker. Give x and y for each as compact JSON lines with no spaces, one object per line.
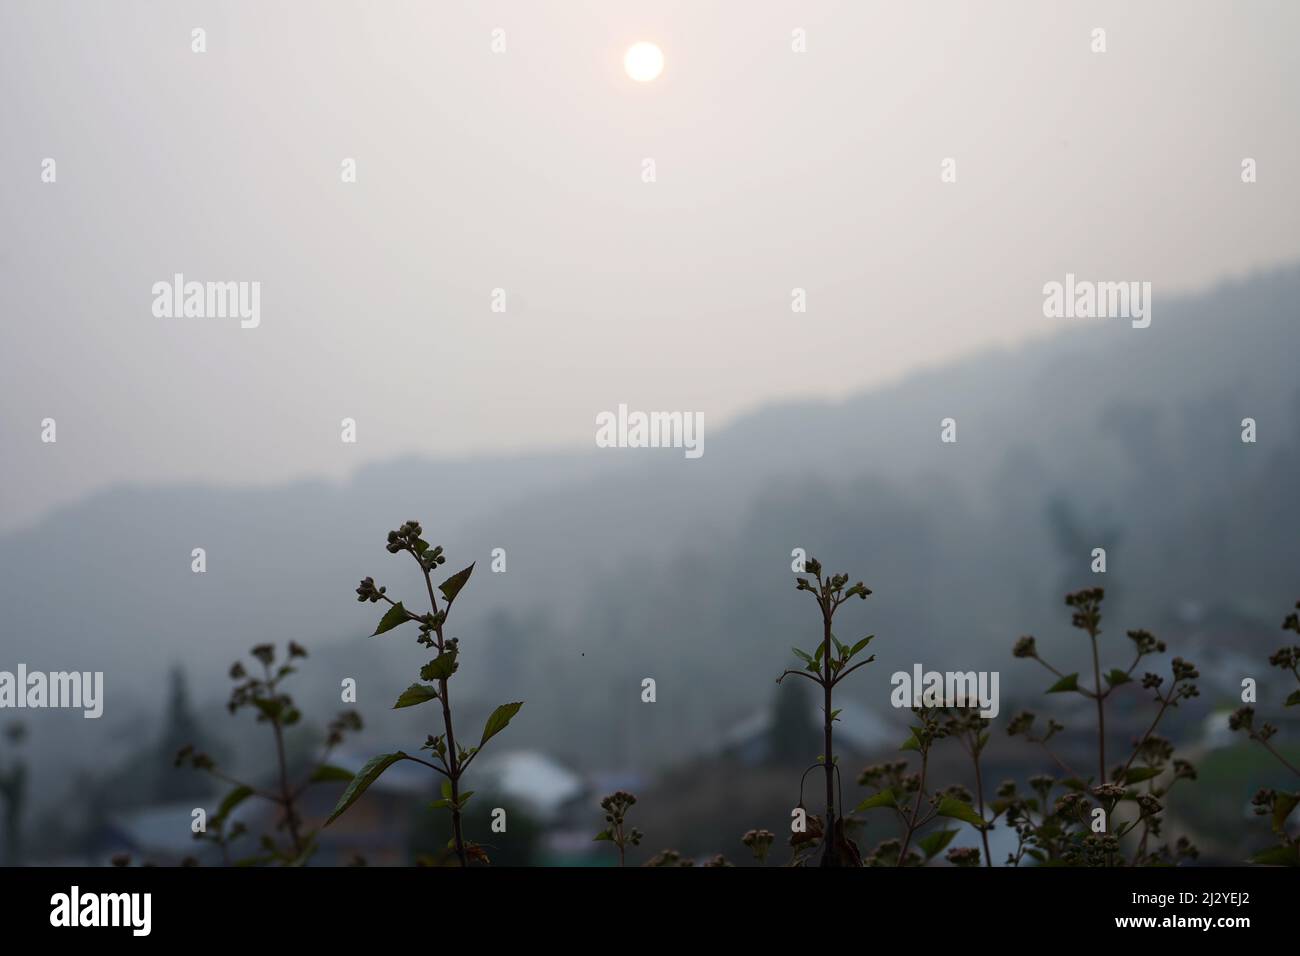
{"x":643,"y":62}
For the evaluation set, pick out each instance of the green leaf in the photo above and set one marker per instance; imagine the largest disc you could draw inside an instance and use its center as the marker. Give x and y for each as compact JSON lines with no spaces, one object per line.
{"x":911,"y":743}
{"x":394,"y":616}
{"x":860,"y":645}
{"x":1117,"y":677}
{"x":1283,"y":804}
{"x":1138,"y":774}
{"x":271,"y":708}
{"x":885,"y":798}
{"x":602,"y":835}
{"x":935,"y":842}
{"x":362,"y":781}
{"x":446,"y":789}
{"x":233,"y":799}
{"x":499,"y":719}
{"x":415,"y":694}
{"x":959,"y":810}
{"x":464,"y":797}
{"x":327,"y":772}
{"x":1293,"y":699}
{"x":1067,"y":683}
{"x":440,"y":668}
{"x":840,"y":648}
{"x":1277,"y":856}
{"x":451,"y":587}
{"x":802,"y":655}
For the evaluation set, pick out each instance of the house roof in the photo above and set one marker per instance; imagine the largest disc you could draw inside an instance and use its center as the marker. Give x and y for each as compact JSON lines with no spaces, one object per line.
{"x":161,"y":828}
{"x":531,"y":777}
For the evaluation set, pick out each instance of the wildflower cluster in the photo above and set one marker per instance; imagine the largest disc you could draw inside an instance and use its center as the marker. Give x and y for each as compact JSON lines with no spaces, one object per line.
{"x":1277,"y":805}
{"x":616,"y":806}
{"x":261,"y":691}
{"x":446,"y":756}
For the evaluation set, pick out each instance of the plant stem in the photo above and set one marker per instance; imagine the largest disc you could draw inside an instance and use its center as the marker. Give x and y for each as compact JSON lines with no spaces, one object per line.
{"x":829,"y":759}
{"x":979,"y":792}
{"x":1101,"y":708}
{"x":1164,"y":705}
{"x":453,"y":761}
{"x":1269,"y":747}
{"x":286,"y":798}
{"x":454,"y":776}
{"x":916,"y":808}
{"x":1142,"y":845}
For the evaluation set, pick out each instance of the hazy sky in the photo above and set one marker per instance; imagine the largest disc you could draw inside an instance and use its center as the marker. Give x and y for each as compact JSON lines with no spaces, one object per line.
{"x":522,"y":170}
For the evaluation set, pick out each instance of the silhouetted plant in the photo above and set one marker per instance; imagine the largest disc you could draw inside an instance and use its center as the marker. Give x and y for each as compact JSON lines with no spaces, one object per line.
{"x":265,"y":696}
{"x":965,"y":856}
{"x":759,"y":843}
{"x":1051,"y":828}
{"x":971,"y":731}
{"x":1276,"y":804}
{"x":910,"y":797}
{"x":829,"y":665}
{"x":453,"y":760}
{"x":13,"y":792}
{"x":669,"y":858}
{"x":1066,"y":832}
{"x":616,"y":806}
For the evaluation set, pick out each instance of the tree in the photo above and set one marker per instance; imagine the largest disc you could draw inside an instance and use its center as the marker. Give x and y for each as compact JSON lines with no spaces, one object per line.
{"x":792,"y":734}
{"x":180,"y":727}
{"x":13,"y":791}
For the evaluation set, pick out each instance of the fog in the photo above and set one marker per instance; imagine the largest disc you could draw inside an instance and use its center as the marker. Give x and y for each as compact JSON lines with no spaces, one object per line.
{"x":843,"y":259}
{"x":522,"y":171}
